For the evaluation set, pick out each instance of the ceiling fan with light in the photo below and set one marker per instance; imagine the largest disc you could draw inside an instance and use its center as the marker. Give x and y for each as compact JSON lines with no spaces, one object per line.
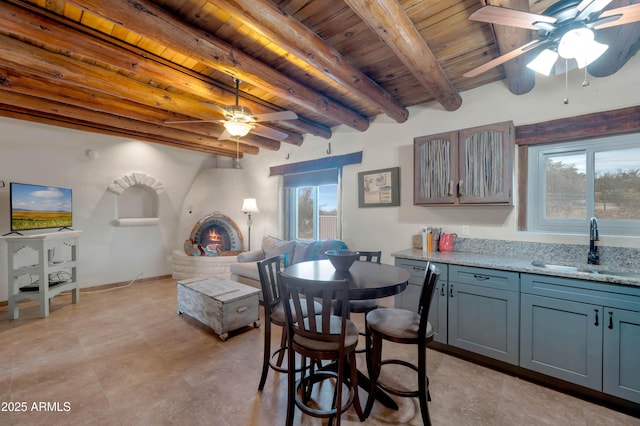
{"x":565,"y":29}
{"x":239,"y":121}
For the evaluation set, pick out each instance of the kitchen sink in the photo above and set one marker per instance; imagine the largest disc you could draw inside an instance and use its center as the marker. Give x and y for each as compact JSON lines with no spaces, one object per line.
{"x":627,"y":274}
{"x":585,"y":269}
{"x":561,"y":268}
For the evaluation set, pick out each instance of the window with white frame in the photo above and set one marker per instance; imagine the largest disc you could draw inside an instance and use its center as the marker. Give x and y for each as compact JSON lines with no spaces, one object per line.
{"x":312,"y":205}
{"x":568,"y":183}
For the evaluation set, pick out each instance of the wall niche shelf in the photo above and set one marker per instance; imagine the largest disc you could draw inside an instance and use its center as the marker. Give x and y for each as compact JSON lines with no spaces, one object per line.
{"x":138,"y":208}
{"x":136,"y":221}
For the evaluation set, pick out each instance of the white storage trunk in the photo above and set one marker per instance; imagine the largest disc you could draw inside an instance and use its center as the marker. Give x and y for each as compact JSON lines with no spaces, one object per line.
{"x":223,"y":305}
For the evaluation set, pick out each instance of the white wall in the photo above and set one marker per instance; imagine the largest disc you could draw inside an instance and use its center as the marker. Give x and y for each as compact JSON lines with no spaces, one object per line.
{"x":389,"y":144}
{"x":48,"y":155}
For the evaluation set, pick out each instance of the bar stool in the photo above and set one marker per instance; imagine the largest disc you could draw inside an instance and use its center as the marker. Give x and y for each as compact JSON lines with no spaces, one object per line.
{"x":404,"y":327}
{"x":320,"y":335}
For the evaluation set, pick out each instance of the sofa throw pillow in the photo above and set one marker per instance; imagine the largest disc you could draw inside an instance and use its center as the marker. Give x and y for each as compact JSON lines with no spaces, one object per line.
{"x":273,"y":246}
{"x":300,"y":253}
{"x":314,"y":250}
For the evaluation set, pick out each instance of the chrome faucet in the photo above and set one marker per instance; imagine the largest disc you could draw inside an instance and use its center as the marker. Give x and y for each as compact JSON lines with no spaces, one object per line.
{"x":593,"y":258}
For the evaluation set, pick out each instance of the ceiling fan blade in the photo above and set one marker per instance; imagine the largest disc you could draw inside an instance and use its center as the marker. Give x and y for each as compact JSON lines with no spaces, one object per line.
{"x":511,"y":17}
{"x":591,"y":7}
{"x":270,"y":133}
{"x":629,"y":14}
{"x":506,"y":57}
{"x":276,"y":116}
{"x":192,"y":121}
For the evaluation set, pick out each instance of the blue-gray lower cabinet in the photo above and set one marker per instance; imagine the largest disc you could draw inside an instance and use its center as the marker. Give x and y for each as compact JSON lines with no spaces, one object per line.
{"x":562,"y":339}
{"x":410,"y":298}
{"x":583,"y":332}
{"x":621,"y":354}
{"x":484,"y":312}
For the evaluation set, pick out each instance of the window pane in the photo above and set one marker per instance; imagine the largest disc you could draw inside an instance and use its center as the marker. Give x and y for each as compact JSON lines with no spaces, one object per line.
{"x":617,"y":184}
{"x":328,"y":212}
{"x":565,"y":186}
{"x":306,"y":210}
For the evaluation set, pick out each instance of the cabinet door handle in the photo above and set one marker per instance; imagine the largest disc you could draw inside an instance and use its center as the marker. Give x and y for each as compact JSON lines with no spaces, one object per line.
{"x":417,"y":268}
{"x":451,"y":290}
{"x":481,"y":277}
{"x":610,"y":320}
{"x":596,"y":323}
{"x":442,"y":290}
{"x":450,"y":189}
{"x":460,"y":183}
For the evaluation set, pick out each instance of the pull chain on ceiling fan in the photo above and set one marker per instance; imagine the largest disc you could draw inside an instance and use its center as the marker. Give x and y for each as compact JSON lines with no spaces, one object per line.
{"x":566,"y":29}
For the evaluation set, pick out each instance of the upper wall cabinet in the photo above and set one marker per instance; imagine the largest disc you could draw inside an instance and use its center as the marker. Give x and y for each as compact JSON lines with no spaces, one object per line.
{"x":470,"y":166}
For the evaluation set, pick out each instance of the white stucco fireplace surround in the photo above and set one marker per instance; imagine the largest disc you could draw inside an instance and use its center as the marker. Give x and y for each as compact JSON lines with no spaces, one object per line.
{"x":219,"y":188}
{"x":184,"y":266}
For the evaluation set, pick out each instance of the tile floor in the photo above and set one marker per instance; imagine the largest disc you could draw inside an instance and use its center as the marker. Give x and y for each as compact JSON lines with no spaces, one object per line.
{"x":124,"y":357}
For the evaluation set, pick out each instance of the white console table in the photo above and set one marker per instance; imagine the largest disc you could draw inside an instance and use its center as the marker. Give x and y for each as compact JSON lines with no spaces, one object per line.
{"x":47,"y":266}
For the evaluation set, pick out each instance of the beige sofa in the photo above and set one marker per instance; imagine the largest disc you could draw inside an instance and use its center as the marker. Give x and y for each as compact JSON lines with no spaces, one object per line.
{"x":246,"y":270}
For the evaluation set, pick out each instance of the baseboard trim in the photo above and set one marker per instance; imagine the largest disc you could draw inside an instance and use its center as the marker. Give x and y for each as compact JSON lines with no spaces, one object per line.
{"x":107,"y":286}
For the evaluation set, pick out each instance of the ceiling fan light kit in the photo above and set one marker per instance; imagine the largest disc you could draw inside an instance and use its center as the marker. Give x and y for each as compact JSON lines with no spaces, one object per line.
{"x":578,"y":44}
{"x":238,"y":128}
{"x":566,"y":29}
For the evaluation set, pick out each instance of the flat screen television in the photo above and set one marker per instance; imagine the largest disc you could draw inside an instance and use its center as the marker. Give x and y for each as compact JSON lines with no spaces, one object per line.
{"x":40,"y":207}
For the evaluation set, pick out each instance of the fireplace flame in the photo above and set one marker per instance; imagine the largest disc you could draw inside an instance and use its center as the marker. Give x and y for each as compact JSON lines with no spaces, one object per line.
{"x":214,"y":237}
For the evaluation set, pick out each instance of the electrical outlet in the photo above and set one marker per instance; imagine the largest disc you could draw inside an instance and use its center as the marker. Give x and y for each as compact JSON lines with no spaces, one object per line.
{"x":465,"y":230}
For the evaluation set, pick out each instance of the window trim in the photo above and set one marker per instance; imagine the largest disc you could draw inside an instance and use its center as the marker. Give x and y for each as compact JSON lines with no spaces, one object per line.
{"x":535,"y":213}
{"x":603,"y":123}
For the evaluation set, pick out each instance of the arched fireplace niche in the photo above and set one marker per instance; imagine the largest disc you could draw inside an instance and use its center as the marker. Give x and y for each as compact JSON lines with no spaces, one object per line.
{"x":214,"y":235}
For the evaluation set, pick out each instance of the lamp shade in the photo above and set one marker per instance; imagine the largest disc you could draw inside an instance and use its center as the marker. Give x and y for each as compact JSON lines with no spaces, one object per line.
{"x":543,"y":63}
{"x":249,"y":205}
{"x":238,"y":128}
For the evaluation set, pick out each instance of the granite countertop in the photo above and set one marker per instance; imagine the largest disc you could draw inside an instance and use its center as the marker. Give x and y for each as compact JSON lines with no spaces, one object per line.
{"x":519,"y":264}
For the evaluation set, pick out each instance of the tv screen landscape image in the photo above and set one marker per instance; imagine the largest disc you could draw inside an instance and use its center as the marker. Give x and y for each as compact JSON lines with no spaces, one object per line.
{"x":39,"y":207}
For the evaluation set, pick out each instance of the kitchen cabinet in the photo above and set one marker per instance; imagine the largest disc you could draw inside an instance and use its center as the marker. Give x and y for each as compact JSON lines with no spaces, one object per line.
{"x":410,"y":298}
{"x":470,"y":166}
{"x":483,"y":312}
{"x":582,"y":332}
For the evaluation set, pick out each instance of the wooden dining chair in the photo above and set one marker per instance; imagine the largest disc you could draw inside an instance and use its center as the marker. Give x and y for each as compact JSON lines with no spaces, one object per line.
{"x":268,"y":270}
{"x":404,"y":327}
{"x":319,"y":334}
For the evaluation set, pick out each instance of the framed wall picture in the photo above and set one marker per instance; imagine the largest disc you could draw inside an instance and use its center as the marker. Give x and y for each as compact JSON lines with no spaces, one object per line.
{"x":379,"y":188}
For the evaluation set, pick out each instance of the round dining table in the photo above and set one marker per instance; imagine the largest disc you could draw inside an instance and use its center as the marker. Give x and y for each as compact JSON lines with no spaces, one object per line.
{"x":367,"y":280}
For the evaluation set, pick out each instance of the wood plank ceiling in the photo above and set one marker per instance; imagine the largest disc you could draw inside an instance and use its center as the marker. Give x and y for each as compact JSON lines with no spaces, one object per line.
{"x":126,"y":67}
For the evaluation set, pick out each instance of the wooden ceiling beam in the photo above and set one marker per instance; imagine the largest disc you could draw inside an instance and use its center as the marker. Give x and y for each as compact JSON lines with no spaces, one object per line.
{"x":127,"y":126}
{"x":32,"y":26}
{"x":31,"y":85}
{"x":520,"y":79}
{"x":30,"y":59}
{"x":388,"y":19}
{"x":148,"y":20}
{"x":281,"y":28}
